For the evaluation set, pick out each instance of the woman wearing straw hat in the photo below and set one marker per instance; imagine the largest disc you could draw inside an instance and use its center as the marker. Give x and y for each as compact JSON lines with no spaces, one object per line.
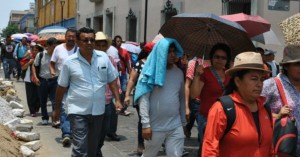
{"x":251,"y":132}
{"x":290,"y":80}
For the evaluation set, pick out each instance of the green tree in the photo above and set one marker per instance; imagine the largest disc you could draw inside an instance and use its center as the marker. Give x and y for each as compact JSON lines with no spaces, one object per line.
{"x":10,"y":29}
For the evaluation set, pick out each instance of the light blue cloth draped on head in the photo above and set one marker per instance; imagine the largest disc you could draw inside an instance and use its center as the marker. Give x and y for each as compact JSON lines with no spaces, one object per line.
{"x":154,"y":71}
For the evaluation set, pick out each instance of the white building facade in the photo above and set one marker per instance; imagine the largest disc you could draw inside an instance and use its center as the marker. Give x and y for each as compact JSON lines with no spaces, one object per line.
{"x":127,"y":17}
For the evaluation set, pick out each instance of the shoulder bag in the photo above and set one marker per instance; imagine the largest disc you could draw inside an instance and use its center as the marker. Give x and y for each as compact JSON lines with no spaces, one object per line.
{"x":285,"y":130}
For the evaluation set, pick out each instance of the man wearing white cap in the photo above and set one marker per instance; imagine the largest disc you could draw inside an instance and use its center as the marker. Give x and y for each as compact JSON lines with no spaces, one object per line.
{"x":271,"y":63}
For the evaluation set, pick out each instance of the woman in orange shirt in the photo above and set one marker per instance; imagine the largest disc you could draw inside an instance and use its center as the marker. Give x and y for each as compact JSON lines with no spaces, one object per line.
{"x":251,"y":132}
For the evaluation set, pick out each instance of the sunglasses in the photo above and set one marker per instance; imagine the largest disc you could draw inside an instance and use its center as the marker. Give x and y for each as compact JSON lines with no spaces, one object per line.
{"x":88,"y":40}
{"x":219,"y":57}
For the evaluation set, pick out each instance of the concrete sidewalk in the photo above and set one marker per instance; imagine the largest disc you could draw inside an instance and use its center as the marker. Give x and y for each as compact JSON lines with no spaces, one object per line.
{"x":127,"y":129}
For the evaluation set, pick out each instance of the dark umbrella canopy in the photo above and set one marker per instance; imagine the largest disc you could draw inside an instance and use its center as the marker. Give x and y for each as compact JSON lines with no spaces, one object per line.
{"x":197,"y":33}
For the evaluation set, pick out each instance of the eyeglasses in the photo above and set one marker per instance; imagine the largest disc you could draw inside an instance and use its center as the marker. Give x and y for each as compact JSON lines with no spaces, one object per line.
{"x":219,"y":57}
{"x":88,"y":40}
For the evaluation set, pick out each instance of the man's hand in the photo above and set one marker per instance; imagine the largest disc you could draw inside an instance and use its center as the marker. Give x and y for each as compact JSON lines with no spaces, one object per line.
{"x":53,"y":75}
{"x":118,"y":105}
{"x":55,"y":116}
{"x":187,"y":114}
{"x":147,"y":133}
{"x":127,"y":100}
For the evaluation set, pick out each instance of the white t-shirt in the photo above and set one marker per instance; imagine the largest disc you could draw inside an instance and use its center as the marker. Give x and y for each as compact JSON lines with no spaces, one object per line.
{"x":60,"y":55}
{"x":113,"y":52}
{"x":27,"y":75}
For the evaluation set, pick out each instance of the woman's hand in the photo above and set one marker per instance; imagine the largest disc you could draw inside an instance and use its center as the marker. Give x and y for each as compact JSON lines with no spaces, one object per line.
{"x":284,"y":111}
{"x":127,"y":100}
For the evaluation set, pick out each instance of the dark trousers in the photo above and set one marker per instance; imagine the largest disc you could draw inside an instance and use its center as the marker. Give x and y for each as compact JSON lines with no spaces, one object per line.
{"x":47,"y":89}
{"x":32,"y":96}
{"x":140,"y":128}
{"x":109,"y":109}
{"x":113,"y":122}
{"x":86,"y":130}
{"x":8,"y":67}
{"x":19,"y":69}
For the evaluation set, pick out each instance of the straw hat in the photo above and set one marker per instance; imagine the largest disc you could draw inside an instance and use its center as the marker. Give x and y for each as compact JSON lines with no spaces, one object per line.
{"x":247,"y":61}
{"x":102,"y":36}
{"x":291,"y":54}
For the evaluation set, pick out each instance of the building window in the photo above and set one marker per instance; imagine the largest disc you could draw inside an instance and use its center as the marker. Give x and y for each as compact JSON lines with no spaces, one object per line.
{"x":131,"y":23}
{"x":168,"y":11}
{"x":88,"y":22}
{"x":280,"y":5}
{"x":237,"y":6}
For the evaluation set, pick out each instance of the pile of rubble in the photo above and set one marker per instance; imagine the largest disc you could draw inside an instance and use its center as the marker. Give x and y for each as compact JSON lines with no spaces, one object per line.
{"x":16,"y":130}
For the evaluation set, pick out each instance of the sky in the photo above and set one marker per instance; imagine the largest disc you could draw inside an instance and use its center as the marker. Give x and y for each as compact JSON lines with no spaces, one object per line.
{"x":8,"y":5}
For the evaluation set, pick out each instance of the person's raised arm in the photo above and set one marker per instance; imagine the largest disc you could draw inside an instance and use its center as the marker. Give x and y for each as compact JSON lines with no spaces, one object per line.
{"x":197,"y":84}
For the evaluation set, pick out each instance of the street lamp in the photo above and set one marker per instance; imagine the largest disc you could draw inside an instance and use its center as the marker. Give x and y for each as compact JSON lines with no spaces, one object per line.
{"x":62,"y":2}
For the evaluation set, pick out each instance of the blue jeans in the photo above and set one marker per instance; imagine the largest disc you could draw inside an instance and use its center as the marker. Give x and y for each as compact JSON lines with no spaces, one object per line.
{"x":201,"y":126}
{"x":8,"y":67}
{"x":109,"y":109}
{"x":64,"y":123}
{"x":194,"y":110}
{"x":47,"y":89}
{"x":86,"y":130}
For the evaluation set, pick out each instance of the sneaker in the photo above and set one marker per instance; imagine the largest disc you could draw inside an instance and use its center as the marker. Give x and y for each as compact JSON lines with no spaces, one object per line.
{"x":56,"y":124}
{"x":140,"y":149}
{"x":185,"y":153}
{"x":33,"y":115}
{"x":125,"y":113}
{"x":66,"y":141}
{"x":45,"y":122}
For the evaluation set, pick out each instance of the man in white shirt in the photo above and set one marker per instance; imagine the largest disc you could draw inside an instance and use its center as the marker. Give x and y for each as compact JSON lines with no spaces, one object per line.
{"x":60,"y":55}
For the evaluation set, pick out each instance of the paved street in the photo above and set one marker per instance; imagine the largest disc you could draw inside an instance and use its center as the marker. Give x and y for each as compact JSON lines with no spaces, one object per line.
{"x":127,"y":129}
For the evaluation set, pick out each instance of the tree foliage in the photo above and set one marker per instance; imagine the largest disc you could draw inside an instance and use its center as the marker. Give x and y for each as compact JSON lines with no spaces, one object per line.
{"x":10,"y":29}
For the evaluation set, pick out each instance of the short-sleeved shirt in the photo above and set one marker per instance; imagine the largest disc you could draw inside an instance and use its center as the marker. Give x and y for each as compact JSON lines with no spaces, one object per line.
{"x":138,"y":67}
{"x":211,"y":90}
{"x":113,"y":52}
{"x":44,"y":67}
{"x":59,"y":56}
{"x":86,"y":82}
{"x":124,"y":58}
{"x":20,"y":50}
{"x":191,"y":67}
{"x":7,"y":51}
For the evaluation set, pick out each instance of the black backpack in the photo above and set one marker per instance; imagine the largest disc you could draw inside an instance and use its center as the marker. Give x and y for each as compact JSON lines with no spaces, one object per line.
{"x":38,"y":67}
{"x":229,"y":109}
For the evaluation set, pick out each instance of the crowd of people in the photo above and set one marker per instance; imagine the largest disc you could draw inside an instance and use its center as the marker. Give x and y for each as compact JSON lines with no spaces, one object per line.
{"x":90,"y":79}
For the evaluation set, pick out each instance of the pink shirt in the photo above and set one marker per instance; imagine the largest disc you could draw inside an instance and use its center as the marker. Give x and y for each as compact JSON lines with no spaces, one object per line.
{"x":108,"y":93}
{"x":191,"y":67}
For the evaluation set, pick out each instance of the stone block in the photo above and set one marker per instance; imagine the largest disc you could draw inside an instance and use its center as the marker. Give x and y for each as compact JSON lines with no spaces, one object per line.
{"x":14,"y":105}
{"x":24,"y":128}
{"x":18,"y":112}
{"x":26,"y":121}
{"x":33,"y":145}
{"x":12,"y":123}
{"x":26,"y":152}
{"x":27,"y":136}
